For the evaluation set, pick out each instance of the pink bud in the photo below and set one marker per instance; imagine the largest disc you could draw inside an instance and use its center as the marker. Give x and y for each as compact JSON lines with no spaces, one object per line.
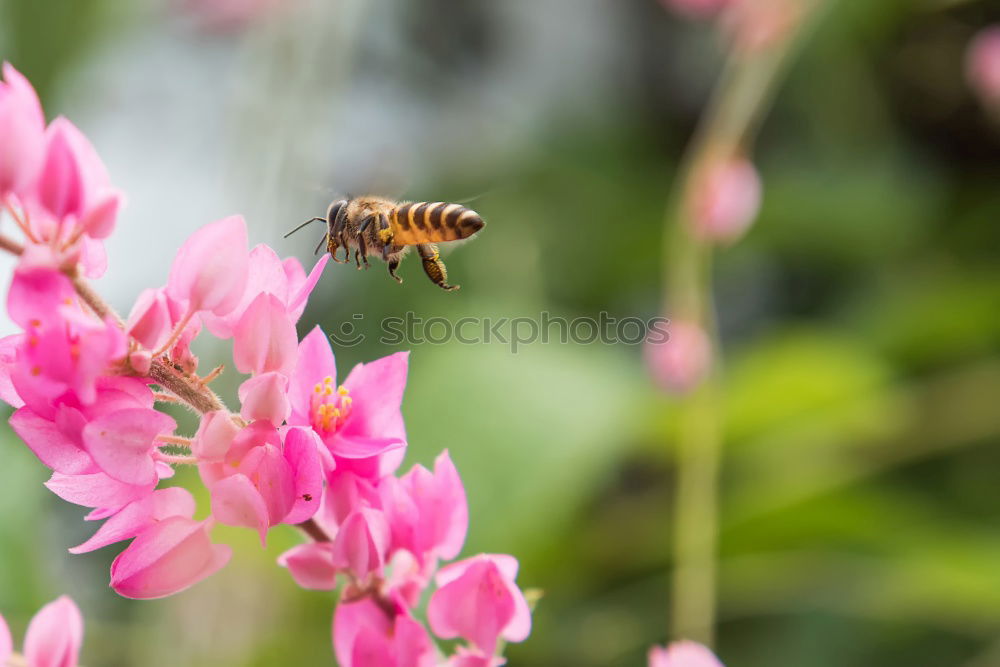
{"x":215,"y":435}
{"x":167,"y":558}
{"x":465,"y":657}
{"x":265,"y":397}
{"x":150,"y":322}
{"x":210,"y":270}
{"x":362,"y":542}
{"x":74,"y":186}
{"x":311,"y":565}
{"x":54,"y":635}
{"x":982,"y":66}
{"x":479,"y":601}
{"x":22,"y":133}
{"x":682,"y":654}
{"x":140,"y":361}
{"x":725,"y":199}
{"x":680,"y":361}
{"x":265,"y":338}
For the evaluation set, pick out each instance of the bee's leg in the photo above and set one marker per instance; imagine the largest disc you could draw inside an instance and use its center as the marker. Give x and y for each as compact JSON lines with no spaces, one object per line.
{"x":393,"y":264}
{"x":384,"y":234}
{"x":337,"y":236}
{"x":363,"y":250}
{"x":362,"y":244}
{"x":434,"y":267}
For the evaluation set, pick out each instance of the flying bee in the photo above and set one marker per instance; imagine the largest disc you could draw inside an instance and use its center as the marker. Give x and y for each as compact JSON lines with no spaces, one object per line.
{"x":377,"y":226}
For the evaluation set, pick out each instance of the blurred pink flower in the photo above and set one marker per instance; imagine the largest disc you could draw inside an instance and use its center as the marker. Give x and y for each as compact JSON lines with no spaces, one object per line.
{"x":682,"y":654}
{"x":22,"y":133}
{"x":725,"y":199}
{"x":478,"y":600}
{"x":982,"y":66}
{"x":54,"y":635}
{"x":679,"y":363}
{"x":166,"y":558}
{"x":312,"y":565}
{"x":757,"y":25}
{"x":231,"y":15}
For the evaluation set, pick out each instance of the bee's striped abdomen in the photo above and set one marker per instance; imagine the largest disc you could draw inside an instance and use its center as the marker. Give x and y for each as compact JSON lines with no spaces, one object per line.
{"x":433,"y":222}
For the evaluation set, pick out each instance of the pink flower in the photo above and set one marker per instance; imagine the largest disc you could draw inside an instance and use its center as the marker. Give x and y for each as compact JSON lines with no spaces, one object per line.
{"x":725,"y":200}
{"x":365,"y":635}
{"x":122,"y":443}
{"x":22,"y":133}
{"x":215,"y":436}
{"x":427,"y":512}
{"x":681,"y":362}
{"x":982,"y":66}
{"x":478,"y":600}
{"x":360,"y":421}
{"x":268,"y":274}
{"x":682,"y":654}
{"x":73,"y":189}
{"x":64,"y":349}
{"x":266,"y":479}
{"x":167,"y":558}
{"x":54,"y":635}
{"x":209,"y":272}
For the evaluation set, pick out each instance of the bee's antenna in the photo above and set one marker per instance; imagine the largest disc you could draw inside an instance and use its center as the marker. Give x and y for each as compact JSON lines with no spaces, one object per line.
{"x":303,"y":225}
{"x":325,"y":239}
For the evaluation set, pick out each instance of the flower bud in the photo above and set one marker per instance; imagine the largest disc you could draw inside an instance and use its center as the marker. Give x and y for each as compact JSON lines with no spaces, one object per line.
{"x":725,"y":199}
{"x":982,"y":66}
{"x":680,"y":362}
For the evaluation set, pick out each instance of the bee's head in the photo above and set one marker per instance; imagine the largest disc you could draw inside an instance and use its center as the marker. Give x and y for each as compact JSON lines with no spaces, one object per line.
{"x":334,"y":212}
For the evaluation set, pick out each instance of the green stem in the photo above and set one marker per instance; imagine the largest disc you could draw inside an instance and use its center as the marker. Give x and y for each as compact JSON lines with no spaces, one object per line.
{"x":741,"y":98}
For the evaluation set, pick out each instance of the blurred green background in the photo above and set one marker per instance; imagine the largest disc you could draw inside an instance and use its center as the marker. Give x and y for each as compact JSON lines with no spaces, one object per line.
{"x":861,"y":315}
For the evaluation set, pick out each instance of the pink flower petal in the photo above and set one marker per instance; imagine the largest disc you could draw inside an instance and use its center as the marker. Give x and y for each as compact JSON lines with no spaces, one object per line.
{"x":300,"y":291}
{"x":237,"y":502}
{"x":139,"y":515}
{"x":210,"y":270}
{"x":314,"y":363}
{"x":22,"y":133}
{"x":311,"y":565}
{"x":122,"y":443}
{"x":96,"y":490}
{"x":54,"y":635}
{"x":167,"y":558}
{"x":215,"y":436}
{"x":349,"y":620}
{"x":362,"y":542}
{"x":49,"y":444}
{"x":265,"y":397}
{"x":361,"y":447}
{"x":150,"y":322}
{"x":264,"y":339}
{"x":302,"y":453}
{"x":8,"y":358}
{"x":377,"y":392}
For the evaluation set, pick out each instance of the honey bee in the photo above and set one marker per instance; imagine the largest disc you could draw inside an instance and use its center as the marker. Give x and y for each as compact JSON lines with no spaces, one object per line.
{"x":377,"y":226}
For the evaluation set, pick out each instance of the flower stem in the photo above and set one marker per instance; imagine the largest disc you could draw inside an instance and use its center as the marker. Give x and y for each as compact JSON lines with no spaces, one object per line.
{"x":741,"y":98}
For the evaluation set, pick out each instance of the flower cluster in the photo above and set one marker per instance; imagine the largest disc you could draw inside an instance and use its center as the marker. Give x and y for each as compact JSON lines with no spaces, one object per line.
{"x":302,"y":449}
{"x":53,"y":638}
